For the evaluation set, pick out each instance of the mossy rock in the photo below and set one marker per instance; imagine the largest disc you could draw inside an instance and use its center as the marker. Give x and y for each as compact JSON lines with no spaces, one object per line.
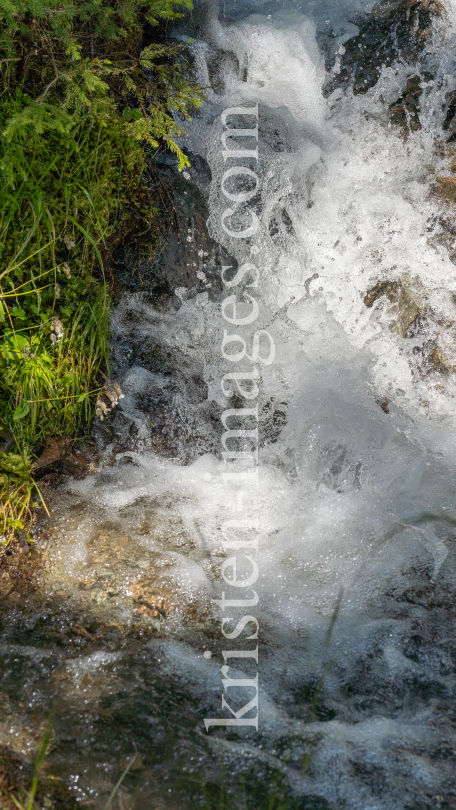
{"x":15,"y":465}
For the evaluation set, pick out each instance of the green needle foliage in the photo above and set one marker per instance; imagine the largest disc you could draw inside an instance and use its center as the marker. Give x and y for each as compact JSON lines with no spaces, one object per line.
{"x":83,"y":101}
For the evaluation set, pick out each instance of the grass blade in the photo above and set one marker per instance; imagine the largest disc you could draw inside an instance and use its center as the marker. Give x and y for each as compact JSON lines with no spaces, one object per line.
{"x":119,"y":782}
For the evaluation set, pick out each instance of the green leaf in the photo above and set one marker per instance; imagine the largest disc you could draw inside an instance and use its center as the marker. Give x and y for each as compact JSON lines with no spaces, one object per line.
{"x":16,"y":524}
{"x":2,"y":312}
{"x":38,"y":300}
{"x":17,"y":312}
{"x":21,"y":411}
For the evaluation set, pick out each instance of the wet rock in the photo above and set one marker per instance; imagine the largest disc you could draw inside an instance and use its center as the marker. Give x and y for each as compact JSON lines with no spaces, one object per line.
{"x":405,"y":111}
{"x":395,"y":28}
{"x":186,"y":257}
{"x":190,"y":258}
{"x":152,"y":602}
{"x":6,"y":439}
{"x":15,"y":772}
{"x":375,"y":292}
{"x":54,"y":451}
{"x":272,"y":420}
{"x":162,"y":372}
{"x":309,"y":704}
{"x":138,"y":763}
{"x":384,"y":404}
{"x":446,"y":187}
{"x":109,"y":547}
{"x":165,"y":406}
{"x":116,"y":578}
{"x":442,"y":361}
{"x":429,"y":596}
{"x":431,"y":357}
{"x":449,"y":124}
{"x":221,"y":65}
{"x":403,"y":303}
{"x":64,"y":457}
{"x":447,"y":225}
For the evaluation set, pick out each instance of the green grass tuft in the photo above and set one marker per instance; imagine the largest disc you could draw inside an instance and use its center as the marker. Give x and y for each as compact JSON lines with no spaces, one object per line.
{"x":82,"y":104}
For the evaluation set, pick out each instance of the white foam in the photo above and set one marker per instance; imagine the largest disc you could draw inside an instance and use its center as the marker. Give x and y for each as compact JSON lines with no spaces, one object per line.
{"x":348,"y":496}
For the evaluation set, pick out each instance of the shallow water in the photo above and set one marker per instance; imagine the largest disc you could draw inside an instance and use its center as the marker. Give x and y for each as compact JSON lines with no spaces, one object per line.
{"x":356,"y":476}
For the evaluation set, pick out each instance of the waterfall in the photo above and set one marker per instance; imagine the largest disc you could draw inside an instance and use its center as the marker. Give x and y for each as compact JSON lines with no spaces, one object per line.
{"x":354,"y":488}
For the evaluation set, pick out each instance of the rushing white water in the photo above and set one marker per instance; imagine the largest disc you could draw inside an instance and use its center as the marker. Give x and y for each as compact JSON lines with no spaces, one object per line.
{"x":350,"y":495}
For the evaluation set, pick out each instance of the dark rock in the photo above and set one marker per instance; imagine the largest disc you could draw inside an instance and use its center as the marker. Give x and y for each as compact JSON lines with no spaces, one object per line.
{"x":375,"y":292}
{"x":6,"y":440}
{"x":186,"y":255}
{"x":384,"y":404}
{"x":64,"y":457}
{"x":54,"y":451}
{"x":395,"y":28}
{"x":405,"y":111}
